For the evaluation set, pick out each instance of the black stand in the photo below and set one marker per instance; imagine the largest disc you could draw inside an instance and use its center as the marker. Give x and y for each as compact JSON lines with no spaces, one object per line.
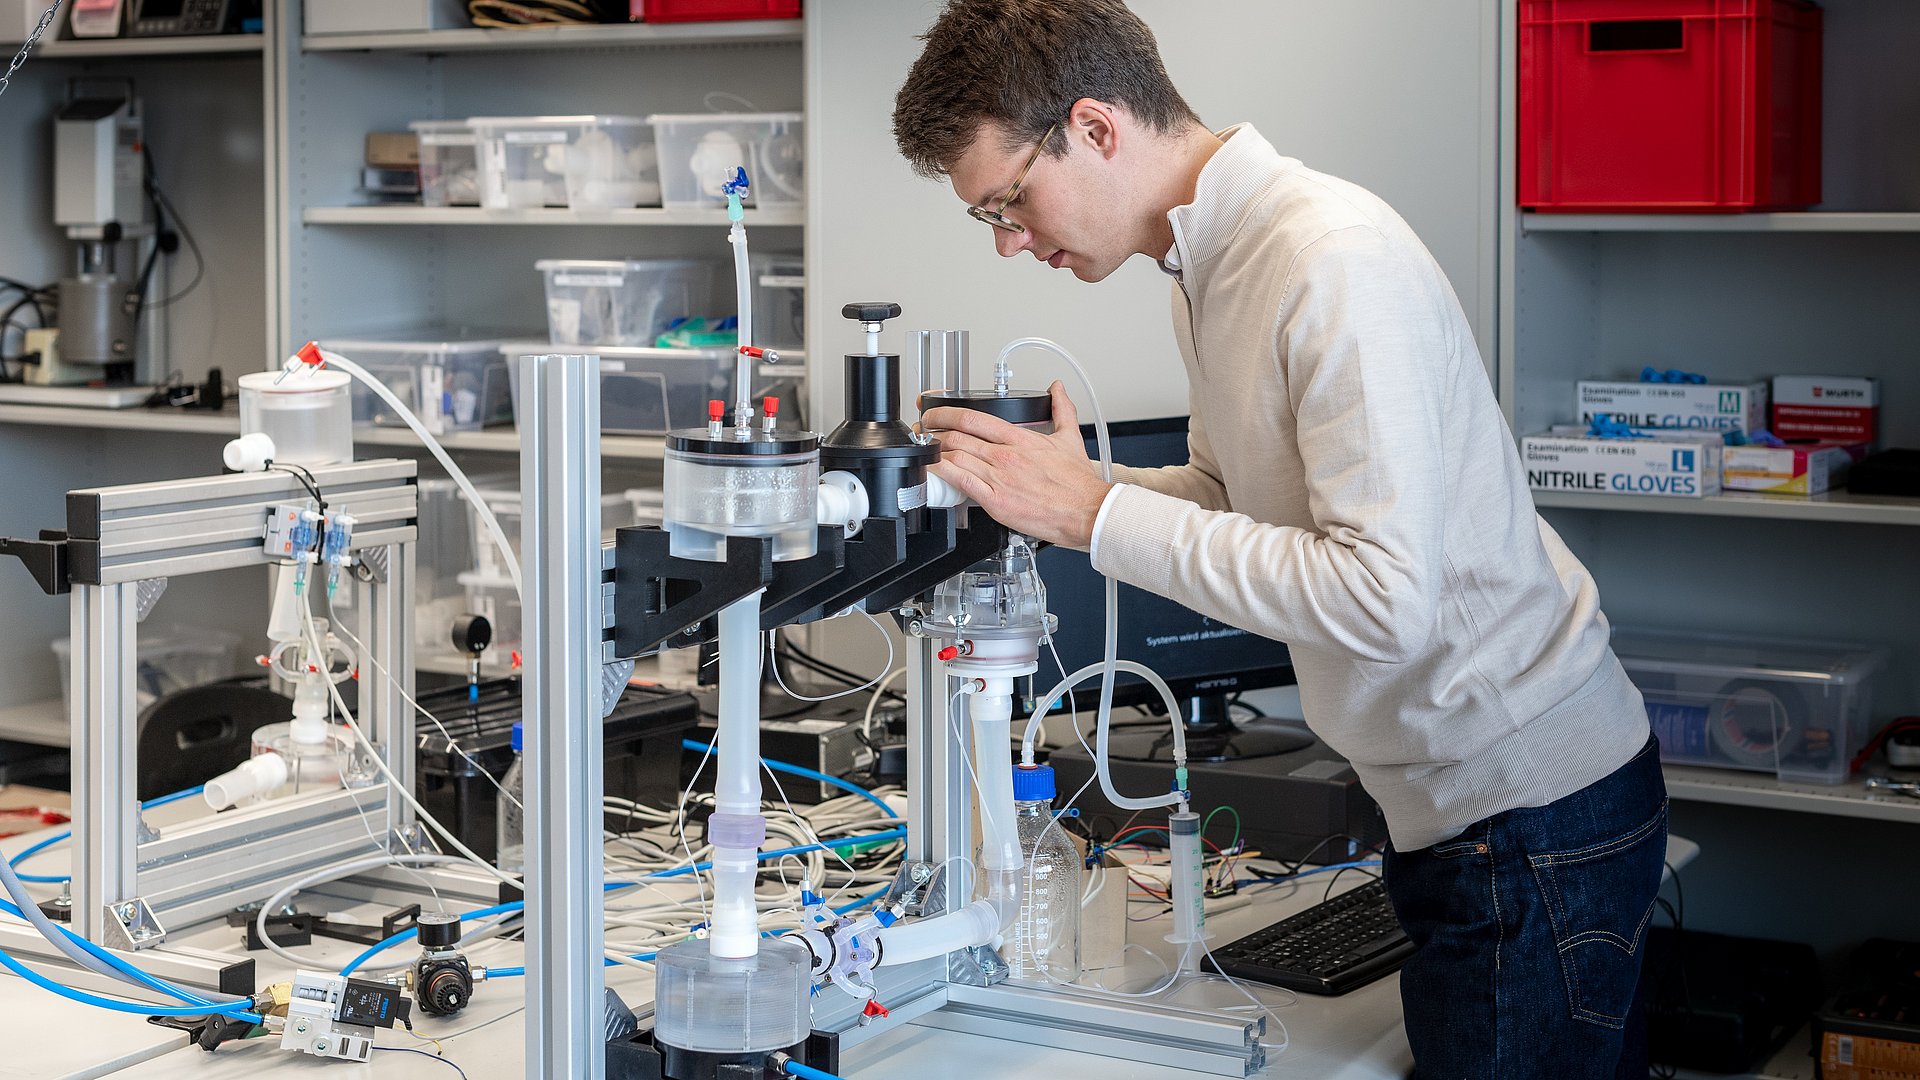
{"x":1211,"y":736}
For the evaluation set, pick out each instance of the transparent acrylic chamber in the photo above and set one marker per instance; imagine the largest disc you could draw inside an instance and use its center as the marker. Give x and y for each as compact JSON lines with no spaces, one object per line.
{"x":716,"y":1005}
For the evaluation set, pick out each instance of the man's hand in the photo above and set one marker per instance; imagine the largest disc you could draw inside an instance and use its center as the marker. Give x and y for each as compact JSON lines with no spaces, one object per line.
{"x":1043,"y":486}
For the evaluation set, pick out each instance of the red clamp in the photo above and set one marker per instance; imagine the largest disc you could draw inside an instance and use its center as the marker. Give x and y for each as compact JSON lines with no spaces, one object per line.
{"x":754,"y":351}
{"x":947,"y":653}
{"x":875,"y":1009}
{"x":516,"y":659}
{"x":310,"y":354}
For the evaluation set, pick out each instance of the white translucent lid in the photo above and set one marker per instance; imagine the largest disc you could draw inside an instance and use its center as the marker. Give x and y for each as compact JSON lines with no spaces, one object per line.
{"x":555,"y":121}
{"x":1715,"y":655}
{"x":309,"y":382}
{"x":436,"y":126}
{"x":633,"y":265}
{"x":425,"y":344}
{"x":726,"y":118}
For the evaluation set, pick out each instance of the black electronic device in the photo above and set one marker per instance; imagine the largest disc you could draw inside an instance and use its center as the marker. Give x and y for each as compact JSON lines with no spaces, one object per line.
{"x":1203,"y":660}
{"x":180,"y":18}
{"x":1724,"y":1004}
{"x":1302,"y":804}
{"x":1871,"y":1027}
{"x":642,"y":759}
{"x":371,"y":1004}
{"x":1332,"y":947}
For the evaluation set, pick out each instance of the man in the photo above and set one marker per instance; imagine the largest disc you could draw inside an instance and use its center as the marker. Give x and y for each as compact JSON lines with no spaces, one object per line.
{"x":1353,"y":491}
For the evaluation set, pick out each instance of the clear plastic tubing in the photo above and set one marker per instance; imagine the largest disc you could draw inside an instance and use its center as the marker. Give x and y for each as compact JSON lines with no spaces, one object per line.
{"x":737,"y":827}
{"x":1112,"y":641}
{"x":743,"y":364}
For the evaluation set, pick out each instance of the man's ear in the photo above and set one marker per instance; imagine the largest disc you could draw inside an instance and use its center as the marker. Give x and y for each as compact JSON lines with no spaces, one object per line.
{"x":1097,"y":125}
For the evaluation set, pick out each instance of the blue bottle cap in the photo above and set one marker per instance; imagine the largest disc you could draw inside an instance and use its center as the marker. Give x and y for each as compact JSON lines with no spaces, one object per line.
{"x":1033,"y":783}
{"x":516,"y":736}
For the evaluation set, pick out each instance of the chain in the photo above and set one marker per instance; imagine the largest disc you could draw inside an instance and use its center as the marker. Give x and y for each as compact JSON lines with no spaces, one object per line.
{"x":33,"y":39}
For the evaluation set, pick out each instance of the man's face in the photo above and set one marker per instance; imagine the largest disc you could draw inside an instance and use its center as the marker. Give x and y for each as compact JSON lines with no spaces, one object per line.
{"x":1067,"y":206}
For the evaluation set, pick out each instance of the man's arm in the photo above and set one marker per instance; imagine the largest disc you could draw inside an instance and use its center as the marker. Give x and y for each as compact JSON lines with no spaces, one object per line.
{"x":1198,"y":481}
{"x":1365,"y":365}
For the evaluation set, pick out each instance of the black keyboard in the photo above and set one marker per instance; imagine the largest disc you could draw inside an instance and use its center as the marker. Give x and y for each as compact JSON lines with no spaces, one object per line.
{"x":1330,"y":948}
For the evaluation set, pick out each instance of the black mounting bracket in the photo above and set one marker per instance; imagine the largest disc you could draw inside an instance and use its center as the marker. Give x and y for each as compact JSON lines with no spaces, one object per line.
{"x":46,"y":559}
{"x":657,"y":596}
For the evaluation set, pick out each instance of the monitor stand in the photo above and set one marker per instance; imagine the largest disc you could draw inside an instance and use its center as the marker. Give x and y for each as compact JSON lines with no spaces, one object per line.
{"x":1211,"y":736}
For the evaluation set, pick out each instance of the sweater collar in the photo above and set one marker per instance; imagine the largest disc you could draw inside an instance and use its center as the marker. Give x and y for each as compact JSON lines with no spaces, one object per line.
{"x":1232,"y":178}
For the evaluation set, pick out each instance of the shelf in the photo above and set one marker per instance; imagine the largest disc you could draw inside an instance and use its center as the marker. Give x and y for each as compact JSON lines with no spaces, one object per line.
{"x":506,"y":440}
{"x":1805,"y":221}
{"x":637,"y":35}
{"x":42,"y":723}
{"x":473,"y":215}
{"x":154,"y":46}
{"x":1838,"y":506}
{"x":1731,"y":788}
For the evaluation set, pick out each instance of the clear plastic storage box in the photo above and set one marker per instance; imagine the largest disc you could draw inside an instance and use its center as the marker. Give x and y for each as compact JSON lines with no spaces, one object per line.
{"x":169,"y":659}
{"x":617,"y":509}
{"x":1797,"y":709}
{"x":449,"y":163}
{"x":649,"y":391}
{"x":779,"y":300}
{"x":449,"y":385}
{"x":622,"y":301}
{"x":583,"y":162}
{"x":699,"y":151}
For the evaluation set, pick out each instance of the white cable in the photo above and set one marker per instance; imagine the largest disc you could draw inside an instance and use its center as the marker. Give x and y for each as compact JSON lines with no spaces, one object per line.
{"x":866,"y":722}
{"x":333,"y":873}
{"x":774,"y":661}
{"x":480,"y":506}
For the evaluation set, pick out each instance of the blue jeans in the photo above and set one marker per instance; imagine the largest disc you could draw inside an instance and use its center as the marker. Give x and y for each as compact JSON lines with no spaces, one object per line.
{"x":1531,"y":926}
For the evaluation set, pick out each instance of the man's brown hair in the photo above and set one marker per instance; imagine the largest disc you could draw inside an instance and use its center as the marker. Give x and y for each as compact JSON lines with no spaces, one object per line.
{"x":1022,"y":64}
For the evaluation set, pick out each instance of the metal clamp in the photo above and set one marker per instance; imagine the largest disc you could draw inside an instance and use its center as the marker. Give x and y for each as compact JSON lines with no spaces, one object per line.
{"x":131,"y":925}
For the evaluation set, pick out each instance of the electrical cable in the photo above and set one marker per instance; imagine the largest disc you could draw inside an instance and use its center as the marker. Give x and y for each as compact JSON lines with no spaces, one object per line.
{"x":240,"y":1010}
{"x":774,"y":662}
{"x":810,"y":774}
{"x":437,"y":1057}
{"x":35,"y":849}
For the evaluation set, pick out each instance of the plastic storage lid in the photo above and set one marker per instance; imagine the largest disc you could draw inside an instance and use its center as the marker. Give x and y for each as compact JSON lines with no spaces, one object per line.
{"x":726,"y":118}
{"x":403,"y":344}
{"x":1718,"y":656}
{"x":544,"y":265}
{"x":264,"y":382}
{"x":1033,"y":783}
{"x":518,"y":735}
{"x":439,"y":127}
{"x":555,"y":121}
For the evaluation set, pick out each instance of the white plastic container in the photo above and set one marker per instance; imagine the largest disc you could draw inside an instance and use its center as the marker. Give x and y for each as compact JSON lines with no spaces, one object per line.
{"x":449,"y":163}
{"x":449,"y":385}
{"x":308,"y":415}
{"x":1799,"y":710}
{"x":616,"y":510}
{"x":622,"y":301}
{"x":583,"y":162}
{"x":168,"y":659}
{"x":779,"y":299}
{"x":765,"y":486}
{"x":699,"y":151}
{"x":648,"y":391}
{"x":493,"y":597}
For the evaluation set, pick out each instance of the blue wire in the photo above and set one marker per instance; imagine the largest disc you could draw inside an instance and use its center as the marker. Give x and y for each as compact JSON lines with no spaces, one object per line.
{"x":806,"y":1072}
{"x":409,"y":935}
{"x":50,"y":879}
{"x":149,"y":981}
{"x":811,"y":774}
{"x":863,"y":901}
{"x":237,"y":1009}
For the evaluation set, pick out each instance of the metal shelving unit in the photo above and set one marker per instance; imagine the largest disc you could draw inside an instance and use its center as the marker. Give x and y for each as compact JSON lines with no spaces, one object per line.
{"x":1730,"y":788}
{"x":42,"y":723}
{"x":474,"y":215}
{"x":81,"y":48}
{"x":1839,"y":506}
{"x":636,"y":35}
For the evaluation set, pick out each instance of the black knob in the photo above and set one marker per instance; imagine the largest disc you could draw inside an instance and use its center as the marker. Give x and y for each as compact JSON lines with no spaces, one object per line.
{"x":438,"y":929}
{"x":472,"y":634}
{"x":871,"y":311}
{"x":444,"y":988}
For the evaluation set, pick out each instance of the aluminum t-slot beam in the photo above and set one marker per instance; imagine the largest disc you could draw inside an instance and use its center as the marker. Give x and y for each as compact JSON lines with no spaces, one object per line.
{"x":1144,"y":1032}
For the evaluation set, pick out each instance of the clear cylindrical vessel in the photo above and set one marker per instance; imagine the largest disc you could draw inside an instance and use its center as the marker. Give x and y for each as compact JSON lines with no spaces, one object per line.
{"x":1044,"y":944}
{"x":510,"y":830}
{"x":334,"y":760}
{"x":719,"y":486}
{"x":308,"y":415}
{"x":715,"y":1005}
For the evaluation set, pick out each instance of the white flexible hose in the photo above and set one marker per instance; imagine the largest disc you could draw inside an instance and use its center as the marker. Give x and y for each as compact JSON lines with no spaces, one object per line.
{"x":473,"y":495}
{"x":1112,"y":642}
{"x":743,"y":287}
{"x":333,"y":873}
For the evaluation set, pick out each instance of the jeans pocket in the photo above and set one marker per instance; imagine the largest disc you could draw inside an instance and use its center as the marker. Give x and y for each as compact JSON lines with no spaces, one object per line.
{"x":1599,"y":900}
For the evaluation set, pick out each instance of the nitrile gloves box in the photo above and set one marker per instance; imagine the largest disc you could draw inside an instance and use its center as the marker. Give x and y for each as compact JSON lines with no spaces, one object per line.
{"x":1788,"y":470}
{"x":1831,"y":408}
{"x":1676,"y":465}
{"x":1675,"y":405}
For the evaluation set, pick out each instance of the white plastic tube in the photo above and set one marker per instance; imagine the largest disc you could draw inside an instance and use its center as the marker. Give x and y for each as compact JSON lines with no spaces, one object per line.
{"x":743,"y":287}
{"x":737,"y":826}
{"x":473,"y":495}
{"x":262,"y":772}
{"x":983,"y":920}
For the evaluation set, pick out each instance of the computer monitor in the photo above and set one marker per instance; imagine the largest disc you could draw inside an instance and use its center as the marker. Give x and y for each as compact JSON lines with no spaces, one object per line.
{"x":1204,"y":661}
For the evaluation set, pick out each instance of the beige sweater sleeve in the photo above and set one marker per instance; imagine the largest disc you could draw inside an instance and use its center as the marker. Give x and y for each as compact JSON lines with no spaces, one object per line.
{"x":1365,"y":369}
{"x":1198,"y":481}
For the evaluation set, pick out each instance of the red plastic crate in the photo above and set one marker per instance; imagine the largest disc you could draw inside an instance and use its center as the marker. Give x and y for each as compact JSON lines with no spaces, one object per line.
{"x":664,"y":11}
{"x":1669,"y":105}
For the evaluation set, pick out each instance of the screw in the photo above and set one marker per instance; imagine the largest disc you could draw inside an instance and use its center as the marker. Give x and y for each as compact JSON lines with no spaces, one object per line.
{"x":319,"y":1046}
{"x":300,"y":1027}
{"x":920,"y":872}
{"x":127,"y":912}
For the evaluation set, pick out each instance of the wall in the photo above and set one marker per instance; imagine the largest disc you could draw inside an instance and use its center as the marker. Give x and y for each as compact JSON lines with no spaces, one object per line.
{"x":1397,"y":97}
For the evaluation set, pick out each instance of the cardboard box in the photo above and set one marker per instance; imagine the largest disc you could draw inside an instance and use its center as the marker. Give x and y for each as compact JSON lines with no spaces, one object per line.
{"x":1830,"y":408}
{"x":1680,"y":465}
{"x":1788,"y":470}
{"x":1675,"y":405}
{"x":393,"y":150}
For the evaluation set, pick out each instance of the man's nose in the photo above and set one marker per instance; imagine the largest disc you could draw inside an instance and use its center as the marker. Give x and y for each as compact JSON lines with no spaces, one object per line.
{"x":1009,"y":243}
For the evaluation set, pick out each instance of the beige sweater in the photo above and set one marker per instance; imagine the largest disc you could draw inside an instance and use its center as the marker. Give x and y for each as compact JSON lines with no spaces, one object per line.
{"x":1354,"y":492}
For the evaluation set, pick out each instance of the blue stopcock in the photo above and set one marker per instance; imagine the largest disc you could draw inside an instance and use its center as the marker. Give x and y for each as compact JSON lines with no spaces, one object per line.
{"x":735,"y":189}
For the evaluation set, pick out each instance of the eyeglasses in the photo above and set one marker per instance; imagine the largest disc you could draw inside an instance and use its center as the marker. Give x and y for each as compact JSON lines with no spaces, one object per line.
{"x":994,"y":217}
